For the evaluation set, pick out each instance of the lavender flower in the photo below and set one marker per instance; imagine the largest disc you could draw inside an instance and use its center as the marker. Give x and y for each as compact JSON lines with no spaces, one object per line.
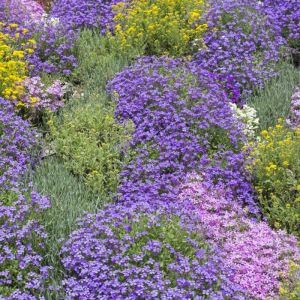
{"x":17,"y":143}
{"x":258,"y":255}
{"x":88,"y":13}
{"x":243,"y":41}
{"x":22,"y":272}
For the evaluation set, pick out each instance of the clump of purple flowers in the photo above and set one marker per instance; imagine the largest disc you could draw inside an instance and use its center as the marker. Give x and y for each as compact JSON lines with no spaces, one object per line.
{"x":183,"y":122}
{"x":295,"y":108}
{"x":258,"y":255}
{"x":287,"y":15}
{"x":26,"y":11}
{"x":39,"y":96}
{"x":17,"y":144}
{"x":22,"y":273}
{"x":53,"y":53}
{"x":88,"y":13}
{"x":242,"y":40}
{"x":140,"y":252}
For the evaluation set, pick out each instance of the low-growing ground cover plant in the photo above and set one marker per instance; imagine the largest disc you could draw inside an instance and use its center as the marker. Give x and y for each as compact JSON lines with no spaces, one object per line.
{"x":276,"y":168}
{"x":17,"y":144}
{"x":173,"y":139}
{"x":258,"y":256}
{"x":160,"y":27}
{"x":140,"y":252}
{"x":13,"y":66}
{"x":90,"y":13}
{"x":243,"y":41}
{"x":91,"y":144}
{"x":183,"y":122}
{"x":22,"y":272}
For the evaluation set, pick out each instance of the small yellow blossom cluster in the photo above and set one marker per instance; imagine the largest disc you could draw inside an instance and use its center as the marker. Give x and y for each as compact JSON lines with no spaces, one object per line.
{"x":13,"y":65}
{"x":290,"y":288}
{"x":276,"y":168}
{"x":168,"y":27}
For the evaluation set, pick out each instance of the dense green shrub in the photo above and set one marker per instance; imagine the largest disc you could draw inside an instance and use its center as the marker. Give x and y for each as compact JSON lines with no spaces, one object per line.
{"x":277,"y":176}
{"x":90,"y":143}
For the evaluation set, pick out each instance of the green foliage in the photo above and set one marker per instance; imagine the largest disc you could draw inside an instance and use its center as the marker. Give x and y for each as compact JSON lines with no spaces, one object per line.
{"x":277,"y":176}
{"x":98,"y":62}
{"x":274,"y":100}
{"x":69,"y":199}
{"x":90,"y":143}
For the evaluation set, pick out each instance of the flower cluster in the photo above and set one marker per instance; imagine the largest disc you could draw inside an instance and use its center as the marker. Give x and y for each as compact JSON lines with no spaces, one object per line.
{"x":89,"y":13}
{"x":242,"y":41}
{"x":17,"y":142}
{"x":183,"y":122}
{"x":258,"y":255}
{"x":160,"y":27}
{"x":295,"y":108}
{"x":37,"y":95}
{"x":22,"y":273}
{"x":276,"y":168}
{"x":26,"y":11}
{"x":290,"y":288}
{"x":287,"y":15}
{"x":13,"y":66}
{"x":140,"y":252}
{"x":248,"y":116}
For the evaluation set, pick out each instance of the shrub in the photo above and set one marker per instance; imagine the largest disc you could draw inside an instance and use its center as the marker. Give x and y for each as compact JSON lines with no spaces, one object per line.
{"x":141,"y":252}
{"x":159,"y":27}
{"x":17,"y":144}
{"x":183,"y":122}
{"x":242,"y":40}
{"x":22,"y":273}
{"x":277,"y":176}
{"x":258,"y":256}
{"x":90,"y":144}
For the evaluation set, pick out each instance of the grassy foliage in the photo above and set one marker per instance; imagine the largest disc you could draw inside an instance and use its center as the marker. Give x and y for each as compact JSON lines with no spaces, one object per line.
{"x":98,"y":61}
{"x":274,"y":101}
{"x":69,"y":199}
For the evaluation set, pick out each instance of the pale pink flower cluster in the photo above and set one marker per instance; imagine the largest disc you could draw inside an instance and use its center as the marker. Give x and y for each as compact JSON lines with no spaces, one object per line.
{"x":258,"y":255}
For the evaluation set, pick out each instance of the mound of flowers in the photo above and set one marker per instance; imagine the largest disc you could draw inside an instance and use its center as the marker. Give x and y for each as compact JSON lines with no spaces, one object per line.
{"x":258,"y":255}
{"x":183,"y":122}
{"x":243,"y":41}
{"x":140,"y":251}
